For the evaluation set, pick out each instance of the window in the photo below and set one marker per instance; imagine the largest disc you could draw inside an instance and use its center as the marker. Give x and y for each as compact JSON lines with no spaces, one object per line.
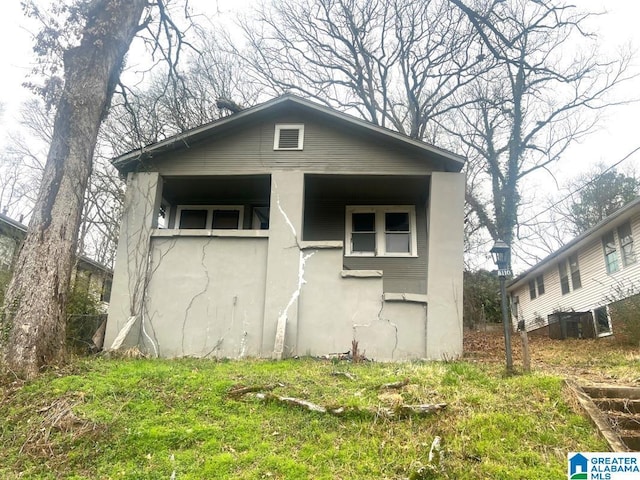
{"x":540,"y":284}
{"x":574,"y":268}
{"x":564,"y":277}
{"x":536,"y":287}
{"x":209,"y":217}
{"x":288,"y":137}
{"x":602,"y":321}
{"x":610,"y":253}
{"x":568,"y":268}
{"x":626,"y":244}
{"x":381,"y":231}
{"x":260,"y":219}
{"x":515,"y":306}
{"x":163,"y":215}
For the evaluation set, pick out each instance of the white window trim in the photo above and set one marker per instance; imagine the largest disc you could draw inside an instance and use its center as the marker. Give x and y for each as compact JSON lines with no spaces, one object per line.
{"x":595,"y":322}
{"x":380,"y":210}
{"x":289,"y":126}
{"x":210,"y":209}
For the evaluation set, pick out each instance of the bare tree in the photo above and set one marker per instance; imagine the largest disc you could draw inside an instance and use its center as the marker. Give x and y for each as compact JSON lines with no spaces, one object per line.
{"x":536,"y":100}
{"x":22,"y":160}
{"x":91,"y":44}
{"x":395,"y":63}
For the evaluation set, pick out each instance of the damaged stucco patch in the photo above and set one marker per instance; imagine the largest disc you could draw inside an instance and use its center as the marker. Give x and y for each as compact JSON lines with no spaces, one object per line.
{"x":282,"y":318}
{"x":372,"y":325}
{"x":283,"y":315}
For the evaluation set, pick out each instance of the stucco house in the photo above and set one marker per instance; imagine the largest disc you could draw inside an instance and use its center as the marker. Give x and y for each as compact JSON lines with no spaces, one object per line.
{"x":568,"y":293}
{"x":88,"y":274}
{"x":290,"y":229}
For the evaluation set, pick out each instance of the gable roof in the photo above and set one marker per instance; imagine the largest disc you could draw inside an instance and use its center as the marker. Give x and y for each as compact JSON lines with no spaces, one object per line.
{"x":285,"y":103}
{"x":622,"y":213}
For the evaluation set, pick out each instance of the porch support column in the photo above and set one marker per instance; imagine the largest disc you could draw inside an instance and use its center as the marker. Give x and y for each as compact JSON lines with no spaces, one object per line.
{"x":285,"y":264}
{"x":142,"y":203}
{"x":445,"y":265}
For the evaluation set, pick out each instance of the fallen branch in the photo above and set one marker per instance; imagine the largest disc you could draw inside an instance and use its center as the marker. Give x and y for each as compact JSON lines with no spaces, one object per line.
{"x":312,"y":407}
{"x":395,"y":385}
{"x":238,"y":391}
{"x":348,"y":375}
{"x":396,"y":412}
{"x":404,"y":411}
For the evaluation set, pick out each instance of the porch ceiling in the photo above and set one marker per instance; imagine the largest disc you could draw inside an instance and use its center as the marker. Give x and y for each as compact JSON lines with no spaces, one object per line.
{"x":376,"y":188}
{"x":177,"y":190}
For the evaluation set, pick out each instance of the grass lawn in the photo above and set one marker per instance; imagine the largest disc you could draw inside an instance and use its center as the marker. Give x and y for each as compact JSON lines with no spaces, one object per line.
{"x":157,"y":419}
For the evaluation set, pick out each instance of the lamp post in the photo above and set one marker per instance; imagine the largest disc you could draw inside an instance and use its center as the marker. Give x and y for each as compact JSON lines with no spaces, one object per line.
{"x":501,"y":253}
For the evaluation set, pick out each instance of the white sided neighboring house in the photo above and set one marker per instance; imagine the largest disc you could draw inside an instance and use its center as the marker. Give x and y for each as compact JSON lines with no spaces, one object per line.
{"x":568,"y":293}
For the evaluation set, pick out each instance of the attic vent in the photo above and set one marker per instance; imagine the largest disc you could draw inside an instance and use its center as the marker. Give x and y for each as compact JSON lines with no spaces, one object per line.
{"x":288,"y":137}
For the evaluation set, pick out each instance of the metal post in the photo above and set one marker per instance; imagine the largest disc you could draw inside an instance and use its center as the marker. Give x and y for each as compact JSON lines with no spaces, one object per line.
{"x":506,"y":323}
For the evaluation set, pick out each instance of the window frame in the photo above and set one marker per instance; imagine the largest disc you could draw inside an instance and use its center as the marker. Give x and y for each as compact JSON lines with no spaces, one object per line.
{"x":540,"y":284}
{"x":574,"y":273}
{"x":611,"y":266}
{"x":288,"y":126}
{"x":380,"y":231}
{"x":209,"y":221}
{"x":627,"y":254}
{"x":563,"y":273}
{"x":609,"y":327}
{"x":532,"y":289}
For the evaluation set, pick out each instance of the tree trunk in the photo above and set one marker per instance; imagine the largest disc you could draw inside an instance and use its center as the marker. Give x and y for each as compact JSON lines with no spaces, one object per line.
{"x":34,"y":326}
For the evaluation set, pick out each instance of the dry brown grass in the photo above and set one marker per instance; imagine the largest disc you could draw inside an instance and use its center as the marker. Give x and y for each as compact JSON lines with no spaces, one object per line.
{"x":600,"y":360}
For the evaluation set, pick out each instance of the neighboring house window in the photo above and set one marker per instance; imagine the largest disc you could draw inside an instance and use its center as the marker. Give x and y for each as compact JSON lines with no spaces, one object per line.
{"x":536,"y":287}
{"x":209,"y":217}
{"x":574,"y":268}
{"x":610,"y":253}
{"x":515,"y":306}
{"x":289,"y":137}
{"x":566,"y":268}
{"x":626,"y":244}
{"x":381,"y":231}
{"x":602,"y":321}
{"x":564,"y":277}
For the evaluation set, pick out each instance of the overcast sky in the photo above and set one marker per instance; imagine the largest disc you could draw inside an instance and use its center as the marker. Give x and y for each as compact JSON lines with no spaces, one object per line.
{"x":617,"y":136}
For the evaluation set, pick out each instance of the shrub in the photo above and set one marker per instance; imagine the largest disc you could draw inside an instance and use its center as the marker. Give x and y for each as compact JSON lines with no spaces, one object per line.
{"x":84,"y":316}
{"x":625,"y":315}
{"x":481,"y":298}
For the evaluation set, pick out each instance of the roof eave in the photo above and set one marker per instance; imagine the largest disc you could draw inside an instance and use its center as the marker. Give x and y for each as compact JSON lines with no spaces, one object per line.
{"x":574,"y":244}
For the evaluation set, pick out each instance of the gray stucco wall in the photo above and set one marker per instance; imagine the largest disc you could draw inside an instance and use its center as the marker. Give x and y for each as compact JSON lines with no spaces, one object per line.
{"x":233,"y":295}
{"x":205,"y":296}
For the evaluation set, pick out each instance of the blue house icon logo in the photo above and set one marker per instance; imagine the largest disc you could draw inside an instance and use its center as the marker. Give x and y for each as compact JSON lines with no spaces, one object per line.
{"x":578,"y":465}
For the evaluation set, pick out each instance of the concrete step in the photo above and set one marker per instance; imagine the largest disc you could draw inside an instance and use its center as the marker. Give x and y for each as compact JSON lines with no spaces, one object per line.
{"x":613,"y":391}
{"x":630,"y":440}
{"x":623,"y":405}
{"x":622,"y":421}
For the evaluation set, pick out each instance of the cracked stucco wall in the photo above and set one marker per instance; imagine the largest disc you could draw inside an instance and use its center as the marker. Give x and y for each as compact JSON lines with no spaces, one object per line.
{"x":285,"y":262}
{"x":335,"y":310}
{"x":206,"y":295}
{"x":144,"y":193}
